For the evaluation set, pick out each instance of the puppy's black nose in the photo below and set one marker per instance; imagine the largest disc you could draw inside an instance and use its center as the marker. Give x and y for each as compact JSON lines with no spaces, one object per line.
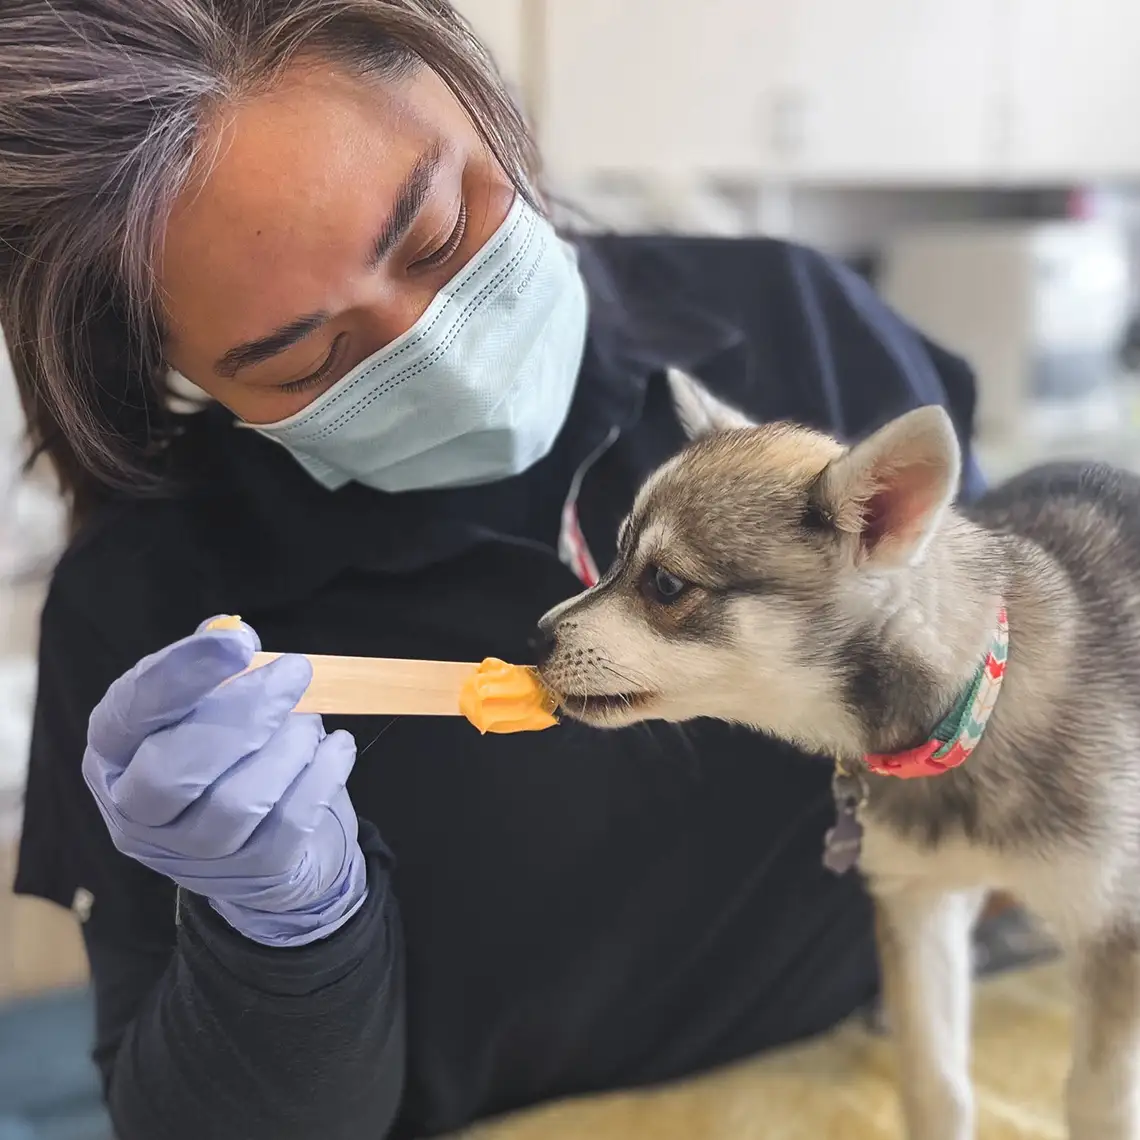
{"x":543,"y":642}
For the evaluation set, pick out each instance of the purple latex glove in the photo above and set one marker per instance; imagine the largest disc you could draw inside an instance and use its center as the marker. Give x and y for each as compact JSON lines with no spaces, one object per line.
{"x":226,"y":790}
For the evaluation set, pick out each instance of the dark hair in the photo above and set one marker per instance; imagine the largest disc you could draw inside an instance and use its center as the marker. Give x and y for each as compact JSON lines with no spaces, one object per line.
{"x":102,"y":108}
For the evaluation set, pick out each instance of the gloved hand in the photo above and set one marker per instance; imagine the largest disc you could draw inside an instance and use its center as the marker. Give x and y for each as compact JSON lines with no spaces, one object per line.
{"x":226,"y":790}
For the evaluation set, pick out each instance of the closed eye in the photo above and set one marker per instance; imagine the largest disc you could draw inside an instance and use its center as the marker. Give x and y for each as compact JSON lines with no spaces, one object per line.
{"x":450,"y":247}
{"x":324,"y":372}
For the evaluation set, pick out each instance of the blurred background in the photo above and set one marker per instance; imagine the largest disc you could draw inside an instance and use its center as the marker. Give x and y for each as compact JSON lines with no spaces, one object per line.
{"x":978,"y":160}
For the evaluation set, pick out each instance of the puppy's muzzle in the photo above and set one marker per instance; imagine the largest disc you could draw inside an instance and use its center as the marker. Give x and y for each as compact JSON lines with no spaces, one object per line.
{"x":562,"y":664}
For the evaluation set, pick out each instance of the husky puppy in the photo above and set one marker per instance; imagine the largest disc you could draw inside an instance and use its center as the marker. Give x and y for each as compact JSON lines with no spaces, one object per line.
{"x":974,"y":673}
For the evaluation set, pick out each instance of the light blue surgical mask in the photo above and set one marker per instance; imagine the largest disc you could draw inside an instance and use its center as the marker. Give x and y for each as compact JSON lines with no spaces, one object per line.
{"x":476,"y":390}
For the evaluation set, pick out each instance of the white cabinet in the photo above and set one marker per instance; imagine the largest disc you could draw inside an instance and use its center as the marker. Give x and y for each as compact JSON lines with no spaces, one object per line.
{"x":659,"y":86}
{"x":841,"y":91}
{"x":1074,"y":89}
{"x":823,"y":89}
{"x":894,"y":90}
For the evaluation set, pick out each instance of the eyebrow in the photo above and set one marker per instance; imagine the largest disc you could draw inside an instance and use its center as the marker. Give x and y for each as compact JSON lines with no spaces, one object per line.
{"x":410,"y":198}
{"x":255,"y":351}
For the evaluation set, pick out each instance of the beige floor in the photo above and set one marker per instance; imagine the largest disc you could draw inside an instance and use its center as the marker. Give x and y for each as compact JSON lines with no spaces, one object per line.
{"x":841,"y":1086}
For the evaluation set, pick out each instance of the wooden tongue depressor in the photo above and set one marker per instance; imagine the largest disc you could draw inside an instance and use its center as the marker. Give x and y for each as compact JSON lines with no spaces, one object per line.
{"x":380,"y":686}
{"x":493,"y":695}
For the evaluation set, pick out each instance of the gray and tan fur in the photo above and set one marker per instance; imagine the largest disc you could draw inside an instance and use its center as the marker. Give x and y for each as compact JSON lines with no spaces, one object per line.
{"x":835,"y":598}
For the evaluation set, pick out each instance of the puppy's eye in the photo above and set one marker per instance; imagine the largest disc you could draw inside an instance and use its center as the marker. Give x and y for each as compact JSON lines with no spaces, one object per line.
{"x":662,"y":587}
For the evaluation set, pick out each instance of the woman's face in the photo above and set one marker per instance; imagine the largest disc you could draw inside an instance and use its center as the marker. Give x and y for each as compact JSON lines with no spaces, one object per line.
{"x":335,"y":210}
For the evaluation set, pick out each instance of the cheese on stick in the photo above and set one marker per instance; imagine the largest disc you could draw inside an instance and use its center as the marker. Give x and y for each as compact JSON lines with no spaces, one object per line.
{"x":494,"y":696}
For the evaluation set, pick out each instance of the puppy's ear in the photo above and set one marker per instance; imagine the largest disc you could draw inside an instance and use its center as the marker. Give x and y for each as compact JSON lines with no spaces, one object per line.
{"x":699,"y":411}
{"x":889,"y":492}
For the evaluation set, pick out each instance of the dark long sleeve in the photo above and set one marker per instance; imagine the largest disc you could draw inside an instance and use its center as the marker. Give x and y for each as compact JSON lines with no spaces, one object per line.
{"x":201,"y":1032}
{"x":232,"y":1039}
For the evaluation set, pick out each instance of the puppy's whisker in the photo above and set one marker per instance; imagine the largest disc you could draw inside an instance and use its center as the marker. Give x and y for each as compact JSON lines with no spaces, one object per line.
{"x":639,"y":684}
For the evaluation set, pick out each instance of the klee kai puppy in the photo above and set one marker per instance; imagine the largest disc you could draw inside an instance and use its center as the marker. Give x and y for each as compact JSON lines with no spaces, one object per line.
{"x":974,"y":673}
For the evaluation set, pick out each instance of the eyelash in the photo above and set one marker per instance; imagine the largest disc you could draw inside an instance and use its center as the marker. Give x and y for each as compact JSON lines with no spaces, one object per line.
{"x":446,"y":251}
{"x":321,"y":374}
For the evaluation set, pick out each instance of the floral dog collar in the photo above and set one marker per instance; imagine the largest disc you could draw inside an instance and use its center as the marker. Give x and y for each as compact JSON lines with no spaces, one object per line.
{"x":959,"y":732}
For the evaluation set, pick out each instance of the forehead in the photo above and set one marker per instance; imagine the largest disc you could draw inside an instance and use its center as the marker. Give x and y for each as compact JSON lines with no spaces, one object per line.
{"x":730,"y":503}
{"x":292,"y":185}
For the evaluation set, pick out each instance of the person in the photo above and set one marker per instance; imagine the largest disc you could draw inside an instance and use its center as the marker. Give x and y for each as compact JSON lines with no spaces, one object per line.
{"x":425,"y":412}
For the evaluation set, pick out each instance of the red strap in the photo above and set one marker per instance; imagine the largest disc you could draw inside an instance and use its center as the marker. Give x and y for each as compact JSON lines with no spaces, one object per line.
{"x":917,"y":762}
{"x":574,"y":548}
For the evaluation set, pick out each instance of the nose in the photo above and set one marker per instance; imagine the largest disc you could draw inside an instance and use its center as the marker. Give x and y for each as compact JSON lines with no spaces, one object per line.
{"x":543,"y":642}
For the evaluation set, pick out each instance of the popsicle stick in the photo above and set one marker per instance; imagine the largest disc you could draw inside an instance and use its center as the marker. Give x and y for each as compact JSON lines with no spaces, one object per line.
{"x":380,"y":686}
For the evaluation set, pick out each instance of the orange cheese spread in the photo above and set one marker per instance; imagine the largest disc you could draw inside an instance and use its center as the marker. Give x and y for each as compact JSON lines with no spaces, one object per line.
{"x":230,"y":621}
{"x":498,"y":697}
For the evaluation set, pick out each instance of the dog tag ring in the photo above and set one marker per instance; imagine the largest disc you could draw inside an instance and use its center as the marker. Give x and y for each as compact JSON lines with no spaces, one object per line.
{"x":844,"y":842}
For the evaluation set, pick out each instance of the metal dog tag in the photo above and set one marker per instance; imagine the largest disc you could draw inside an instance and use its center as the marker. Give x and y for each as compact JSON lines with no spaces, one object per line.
{"x":844,"y":842}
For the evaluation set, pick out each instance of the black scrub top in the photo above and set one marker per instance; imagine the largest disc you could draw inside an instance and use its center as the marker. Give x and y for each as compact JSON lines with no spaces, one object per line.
{"x":549,"y":914}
